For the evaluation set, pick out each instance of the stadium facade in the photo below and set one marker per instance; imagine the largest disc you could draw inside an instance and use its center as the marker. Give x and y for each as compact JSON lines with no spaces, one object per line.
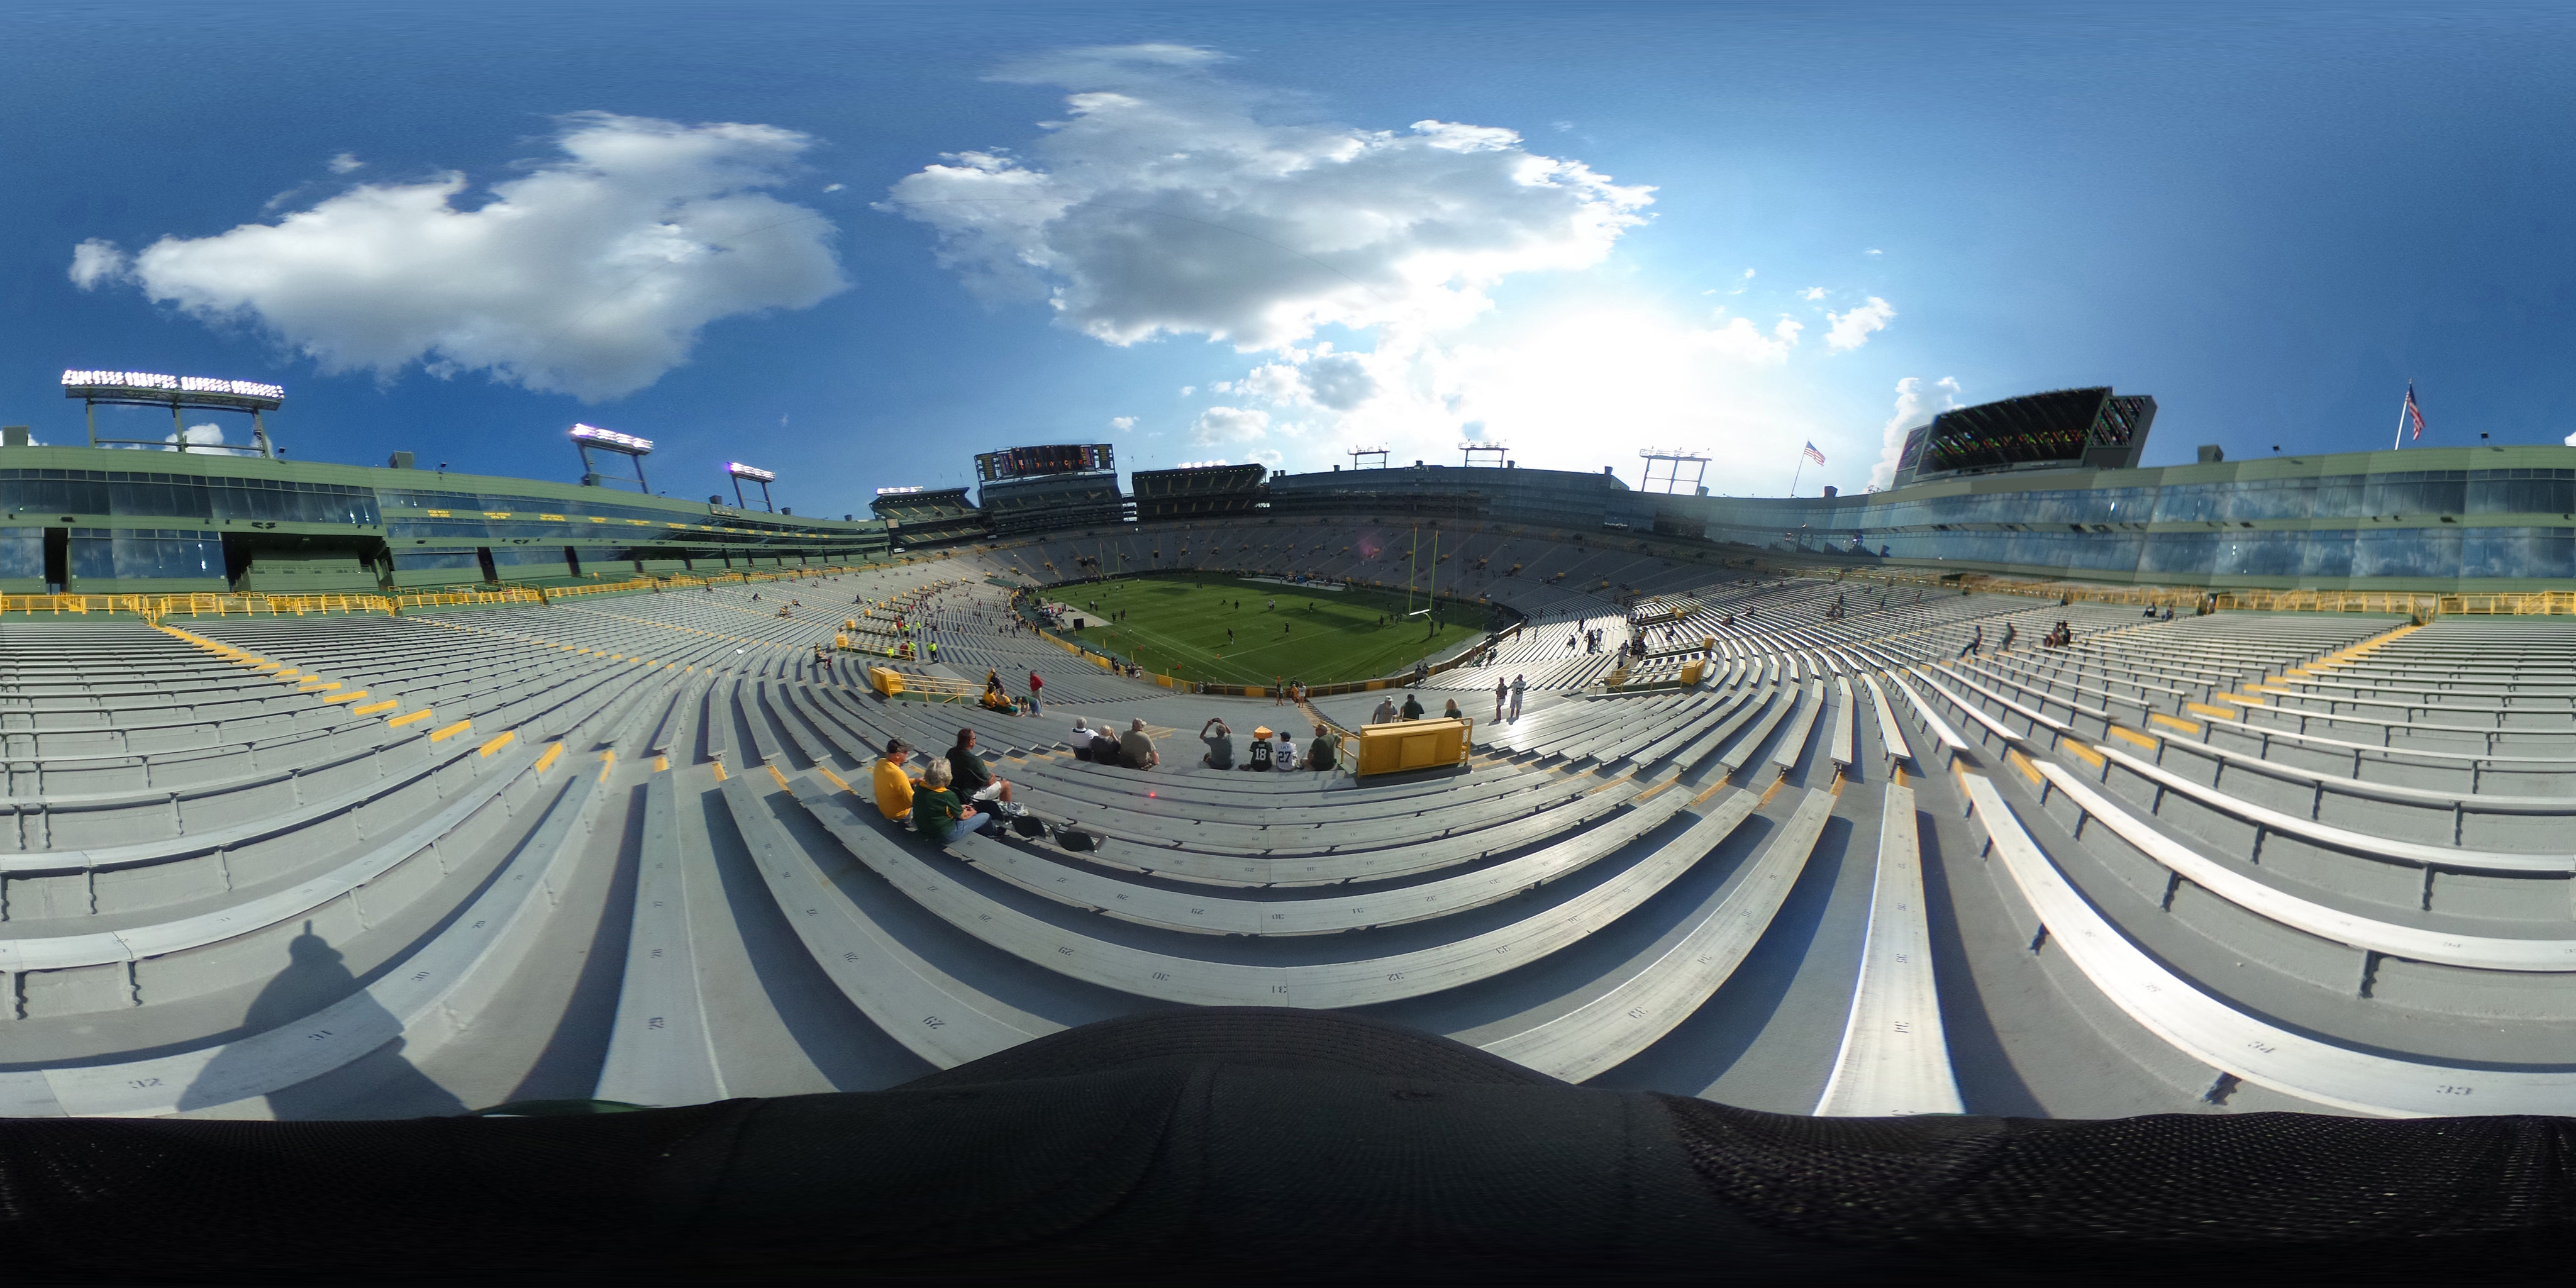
{"x":111,"y":521}
{"x":2042,"y":486}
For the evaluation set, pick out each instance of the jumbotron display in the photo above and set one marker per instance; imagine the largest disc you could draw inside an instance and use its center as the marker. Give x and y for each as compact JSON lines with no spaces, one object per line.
{"x":1057,"y":458}
{"x":2061,"y":429}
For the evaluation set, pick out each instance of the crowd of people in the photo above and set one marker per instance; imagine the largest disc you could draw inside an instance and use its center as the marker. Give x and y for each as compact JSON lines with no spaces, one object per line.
{"x":1271,"y":749}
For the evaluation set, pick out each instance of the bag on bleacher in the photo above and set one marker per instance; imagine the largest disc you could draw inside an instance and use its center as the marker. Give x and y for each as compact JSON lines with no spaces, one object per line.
{"x":1028,"y":825}
{"x":1076,"y":840}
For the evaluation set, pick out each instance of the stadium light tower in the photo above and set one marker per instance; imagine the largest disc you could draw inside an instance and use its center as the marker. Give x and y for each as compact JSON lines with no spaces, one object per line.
{"x":1671,"y":460}
{"x":1470,"y":450}
{"x":585,"y":438}
{"x":150,"y":389}
{"x":737,"y":471}
{"x":1359,"y":454}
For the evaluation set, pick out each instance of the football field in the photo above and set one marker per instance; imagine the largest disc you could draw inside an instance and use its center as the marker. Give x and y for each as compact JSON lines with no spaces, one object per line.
{"x":1228,"y":630}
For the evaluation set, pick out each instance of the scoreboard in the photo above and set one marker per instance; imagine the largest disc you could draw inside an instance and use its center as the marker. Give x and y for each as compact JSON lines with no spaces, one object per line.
{"x":1028,"y":462}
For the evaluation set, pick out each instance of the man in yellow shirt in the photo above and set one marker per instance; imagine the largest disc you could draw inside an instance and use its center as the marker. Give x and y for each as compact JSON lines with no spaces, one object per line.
{"x":894,"y":786}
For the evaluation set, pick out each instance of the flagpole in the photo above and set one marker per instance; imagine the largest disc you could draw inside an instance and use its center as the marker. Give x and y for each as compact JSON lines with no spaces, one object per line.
{"x":1798,"y":473}
{"x":2399,"y":442}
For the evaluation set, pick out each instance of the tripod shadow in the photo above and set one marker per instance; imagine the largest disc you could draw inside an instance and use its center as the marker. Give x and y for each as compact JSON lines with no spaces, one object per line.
{"x":380,"y":1084}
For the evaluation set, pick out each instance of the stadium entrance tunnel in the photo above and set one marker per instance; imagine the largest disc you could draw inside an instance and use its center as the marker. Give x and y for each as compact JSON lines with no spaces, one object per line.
{"x":1275,"y":1145}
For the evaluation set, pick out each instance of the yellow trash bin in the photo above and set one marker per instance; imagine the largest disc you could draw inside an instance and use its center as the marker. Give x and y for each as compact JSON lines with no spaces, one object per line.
{"x":1410,"y":744}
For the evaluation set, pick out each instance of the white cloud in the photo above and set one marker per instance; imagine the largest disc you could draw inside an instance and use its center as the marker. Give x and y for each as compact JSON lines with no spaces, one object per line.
{"x":1122,"y":422}
{"x":1229,"y":424}
{"x":590,"y":274}
{"x":1339,"y":381}
{"x":1187,"y":390}
{"x":1739,"y":339}
{"x":206,"y":435}
{"x":345,"y":162}
{"x":834,"y":187}
{"x":1165,"y":205}
{"x":98,"y":262}
{"x":1812,"y":293}
{"x":1873,"y":251}
{"x":1851,"y":330}
{"x":1916,"y":405}
{"x":1273,"y":382}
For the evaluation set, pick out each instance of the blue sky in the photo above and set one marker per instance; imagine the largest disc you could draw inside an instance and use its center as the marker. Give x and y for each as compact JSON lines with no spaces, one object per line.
{"x":842,"y":241}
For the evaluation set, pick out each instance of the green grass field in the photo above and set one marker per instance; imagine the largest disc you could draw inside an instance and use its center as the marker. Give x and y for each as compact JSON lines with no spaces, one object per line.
{"x":1176,"y":624}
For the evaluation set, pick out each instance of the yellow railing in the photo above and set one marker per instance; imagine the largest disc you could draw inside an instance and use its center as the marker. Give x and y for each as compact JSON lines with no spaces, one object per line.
{"x":155,"y":607}
{"x":2542,"y":603}
{"x":253,"y":604}
{"x":468,"y":598}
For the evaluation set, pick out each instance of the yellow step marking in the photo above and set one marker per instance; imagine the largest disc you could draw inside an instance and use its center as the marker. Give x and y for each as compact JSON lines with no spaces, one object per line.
{"x":2221,"y":712}
{"x":317,"y":688}
{"x":773,"y":773}
{"x":2022,"y":763}
{"x":720,"y":773}
{"x":661,"y":763}
{"x":344,"y":697}
{"x":2085,"y":754}
{"x":496,"y":744}
{"x":826,"y":771}
{"x":442,"y":735}
{"x":1899,"y":778}
{"x":547,"y":761}
{"x":373,"y":707}
{"x":2161,"y":718}
{"x":399,"y":721}
{"x":1776,"y":785}
{"x":2126,"y":734}
{"x":607,"y":761}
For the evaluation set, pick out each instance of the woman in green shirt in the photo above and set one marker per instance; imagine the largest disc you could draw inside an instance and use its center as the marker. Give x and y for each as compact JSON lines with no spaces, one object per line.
{"x":937,"y":812}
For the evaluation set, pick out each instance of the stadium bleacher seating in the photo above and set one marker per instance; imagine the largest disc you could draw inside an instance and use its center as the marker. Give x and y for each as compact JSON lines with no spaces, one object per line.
{"x":1816,"y":847}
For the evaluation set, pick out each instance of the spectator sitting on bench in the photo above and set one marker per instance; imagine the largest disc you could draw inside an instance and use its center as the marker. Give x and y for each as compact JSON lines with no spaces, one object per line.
{"x":1220,"y":745}
{"x":936,"y":811}
{"x":1136,"y":749}
{"x":974,"y":779}
{"x":1319,"y":754}
{"x":893,"y":785}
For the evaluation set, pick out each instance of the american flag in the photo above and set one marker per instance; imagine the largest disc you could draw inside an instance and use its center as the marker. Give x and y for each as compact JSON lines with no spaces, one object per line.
{"x":1819,"y":457}
{"x":2413,"y":412}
